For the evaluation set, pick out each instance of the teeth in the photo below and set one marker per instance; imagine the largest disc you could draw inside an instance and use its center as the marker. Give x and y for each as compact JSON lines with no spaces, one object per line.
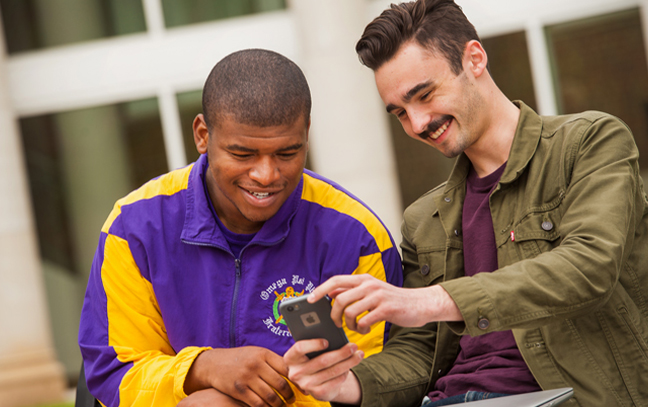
{"x":260,"y":195}
{"x":440,"y":130}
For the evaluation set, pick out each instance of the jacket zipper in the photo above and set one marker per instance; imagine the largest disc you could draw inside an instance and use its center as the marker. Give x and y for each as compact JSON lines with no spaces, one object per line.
{"x":237,"y":282}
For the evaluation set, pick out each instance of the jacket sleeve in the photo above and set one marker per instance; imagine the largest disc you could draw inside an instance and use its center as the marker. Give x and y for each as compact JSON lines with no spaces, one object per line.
{"x":601,"y":205}
{"x":386,"y":266}
{"x":400,"y":374}
{"x":127,"y":355}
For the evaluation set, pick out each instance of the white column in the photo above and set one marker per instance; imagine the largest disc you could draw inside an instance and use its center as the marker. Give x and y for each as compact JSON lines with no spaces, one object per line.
{"x":154,"y":18}
{"x":171,"y":128}
{"x":541,"y":68}
{"x":29,"y":372}
{"x":350,"y":138}
{"x":169,"y":113}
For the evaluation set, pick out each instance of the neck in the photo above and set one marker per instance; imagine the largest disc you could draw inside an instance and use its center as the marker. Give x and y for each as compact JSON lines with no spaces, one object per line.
{"x":492,"y":148}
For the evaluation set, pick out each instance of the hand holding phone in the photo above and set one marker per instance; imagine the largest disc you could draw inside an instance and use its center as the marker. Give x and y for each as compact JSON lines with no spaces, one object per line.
{"x":312,"y":321}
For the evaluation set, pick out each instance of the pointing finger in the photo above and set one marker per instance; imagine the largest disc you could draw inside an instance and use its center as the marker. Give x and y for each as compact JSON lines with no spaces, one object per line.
{"x":334,"y":284}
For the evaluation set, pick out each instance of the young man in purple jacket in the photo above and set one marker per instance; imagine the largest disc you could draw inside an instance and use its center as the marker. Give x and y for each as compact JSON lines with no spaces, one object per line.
{"x":182,"y":306}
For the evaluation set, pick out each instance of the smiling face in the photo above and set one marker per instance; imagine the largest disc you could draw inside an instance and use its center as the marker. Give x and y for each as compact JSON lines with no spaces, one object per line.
{"x":432,"y":103}
{"x":252,"y":170}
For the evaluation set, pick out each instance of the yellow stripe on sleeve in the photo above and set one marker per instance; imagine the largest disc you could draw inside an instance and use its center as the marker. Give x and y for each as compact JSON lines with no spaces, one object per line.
{"x":167,"y":184}
{"x":372,"y":342}
{"x":326,"y":195}
{"x":135,"y":321}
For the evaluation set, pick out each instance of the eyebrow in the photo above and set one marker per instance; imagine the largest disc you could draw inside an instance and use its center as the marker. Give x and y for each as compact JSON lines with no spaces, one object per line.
{"x":237,"y":147}
{"x":295,"y":146}
{"x":410,"y":94}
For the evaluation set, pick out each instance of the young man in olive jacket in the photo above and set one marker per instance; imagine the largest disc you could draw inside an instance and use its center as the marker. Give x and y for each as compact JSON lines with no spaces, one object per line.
{"x":526,"y":270}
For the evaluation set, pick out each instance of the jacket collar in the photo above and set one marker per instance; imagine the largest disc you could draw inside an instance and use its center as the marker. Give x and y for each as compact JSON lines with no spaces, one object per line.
{"x":201,"y":228}
{"x":525,"y":143}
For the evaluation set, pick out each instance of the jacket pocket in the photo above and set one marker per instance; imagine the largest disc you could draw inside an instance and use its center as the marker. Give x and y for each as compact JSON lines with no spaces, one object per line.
{"x":626,"y":336}
{"x":639,"y":339}
{"x":431,"y":268}
{"x":536,"y":233}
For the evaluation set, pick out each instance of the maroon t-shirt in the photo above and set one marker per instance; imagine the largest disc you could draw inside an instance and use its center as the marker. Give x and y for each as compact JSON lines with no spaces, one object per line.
{"x":490,"y":362}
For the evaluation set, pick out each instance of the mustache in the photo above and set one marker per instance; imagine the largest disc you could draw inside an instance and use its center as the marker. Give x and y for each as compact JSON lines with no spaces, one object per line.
{"x":434,"y":126}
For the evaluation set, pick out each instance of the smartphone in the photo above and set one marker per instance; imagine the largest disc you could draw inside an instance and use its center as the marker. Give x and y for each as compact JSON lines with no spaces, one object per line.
{"x":312,"y":321}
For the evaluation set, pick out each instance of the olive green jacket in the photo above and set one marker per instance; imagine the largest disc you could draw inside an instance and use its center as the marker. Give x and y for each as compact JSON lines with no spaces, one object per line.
{"x":571,"y":226}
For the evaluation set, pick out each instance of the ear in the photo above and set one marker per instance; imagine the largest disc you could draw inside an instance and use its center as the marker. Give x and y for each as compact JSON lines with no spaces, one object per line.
{"x":200,"y":133}
{"x":475,"y":58}
{"x":308,"y":133}
{"x":308,"y":128}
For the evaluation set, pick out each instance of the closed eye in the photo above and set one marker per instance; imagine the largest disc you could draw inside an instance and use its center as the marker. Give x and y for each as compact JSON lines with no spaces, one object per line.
{"x":241,"y":156}
{"x":289,"y":152}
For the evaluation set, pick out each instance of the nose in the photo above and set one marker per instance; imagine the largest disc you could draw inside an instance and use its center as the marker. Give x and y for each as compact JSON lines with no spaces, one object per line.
{"x":419,"y":120}
{"x":265,"y":171}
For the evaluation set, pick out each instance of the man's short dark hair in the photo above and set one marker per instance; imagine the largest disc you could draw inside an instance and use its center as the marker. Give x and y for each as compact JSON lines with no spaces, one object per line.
{"x":438,"y":25}
{"x":256,"y":87}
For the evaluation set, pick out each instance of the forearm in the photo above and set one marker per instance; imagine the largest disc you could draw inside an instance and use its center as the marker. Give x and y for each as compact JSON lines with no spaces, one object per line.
{"x":399,"y":375}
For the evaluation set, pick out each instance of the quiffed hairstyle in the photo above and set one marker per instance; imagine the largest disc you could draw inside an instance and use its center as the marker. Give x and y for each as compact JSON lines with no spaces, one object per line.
{"x":256,"y":87}
{"x":438,"y":25}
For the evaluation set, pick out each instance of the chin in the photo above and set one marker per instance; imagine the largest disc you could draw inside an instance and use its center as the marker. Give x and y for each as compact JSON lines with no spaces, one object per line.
{"x":451,"y":154}
{"x":260,"y":217}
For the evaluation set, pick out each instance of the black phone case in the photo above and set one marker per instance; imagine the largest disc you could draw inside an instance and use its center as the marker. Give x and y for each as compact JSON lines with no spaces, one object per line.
{"x":312,"y":321}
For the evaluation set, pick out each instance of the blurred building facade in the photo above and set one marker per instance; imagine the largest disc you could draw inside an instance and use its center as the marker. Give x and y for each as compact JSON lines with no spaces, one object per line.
{"x":97,"y":97}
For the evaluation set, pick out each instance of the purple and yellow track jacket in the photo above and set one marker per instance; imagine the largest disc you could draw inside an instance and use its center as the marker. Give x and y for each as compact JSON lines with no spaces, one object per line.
{"x":164,"y":285}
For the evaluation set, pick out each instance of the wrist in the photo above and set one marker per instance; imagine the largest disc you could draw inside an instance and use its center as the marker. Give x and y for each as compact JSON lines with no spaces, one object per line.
{"x":441,"y":306}
{"x":197,"y":375}
{"x":350,"y":391}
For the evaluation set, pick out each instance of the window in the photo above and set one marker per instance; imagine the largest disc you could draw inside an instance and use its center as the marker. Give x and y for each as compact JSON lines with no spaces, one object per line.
{"x":183,"y":12}
{"x":79,"y":163}
{"x":34,"y":24}
{"x":600,"y":64}
{"x":189,"y":105}
{"x":508,"y":64}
